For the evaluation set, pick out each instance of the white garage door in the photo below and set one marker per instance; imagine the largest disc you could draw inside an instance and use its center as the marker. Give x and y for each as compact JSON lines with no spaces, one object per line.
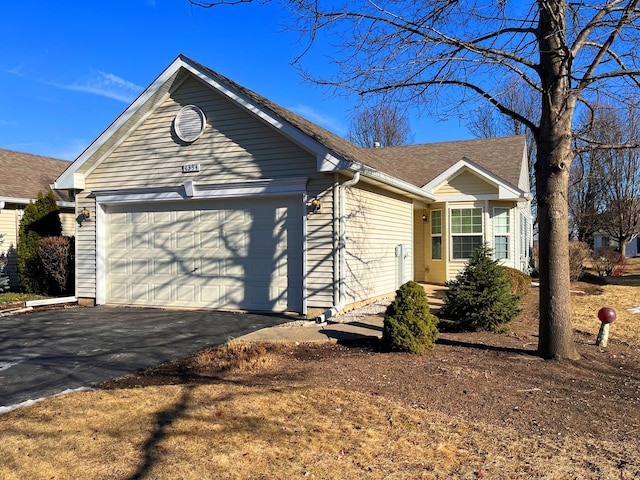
{"x":236,"y":254}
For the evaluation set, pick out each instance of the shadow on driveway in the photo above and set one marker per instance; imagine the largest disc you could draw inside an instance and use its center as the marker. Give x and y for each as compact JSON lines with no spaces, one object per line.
{"x":48,"y":352}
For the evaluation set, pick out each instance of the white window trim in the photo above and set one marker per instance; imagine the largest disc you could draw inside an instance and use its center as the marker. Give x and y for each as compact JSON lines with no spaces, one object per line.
{"x":436,"y":234}
{"x":502,"y":234}
{"x":474,"y":234}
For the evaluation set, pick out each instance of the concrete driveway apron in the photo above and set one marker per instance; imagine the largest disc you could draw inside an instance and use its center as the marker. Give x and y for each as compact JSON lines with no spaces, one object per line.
{"x":48,"y":352}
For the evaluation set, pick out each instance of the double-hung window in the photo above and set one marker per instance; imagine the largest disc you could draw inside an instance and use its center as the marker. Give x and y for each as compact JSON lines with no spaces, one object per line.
{"x":466,"y":232}
{"x":501,"y":233}
{"x":436,"y":234}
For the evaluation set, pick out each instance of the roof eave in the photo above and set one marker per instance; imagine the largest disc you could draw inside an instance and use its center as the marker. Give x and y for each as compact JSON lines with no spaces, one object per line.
{"x":392,"y":182}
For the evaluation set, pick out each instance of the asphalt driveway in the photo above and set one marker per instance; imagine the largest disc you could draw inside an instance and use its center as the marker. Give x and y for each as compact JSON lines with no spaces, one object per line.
{"x":48,"y":352}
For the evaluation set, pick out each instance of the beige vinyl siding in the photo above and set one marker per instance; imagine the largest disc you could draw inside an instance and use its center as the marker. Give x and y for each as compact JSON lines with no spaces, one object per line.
{"x":86,"y":249}
{"x":68,"y":221}
{"x":420,"y":233}
{"x":235,"y":147}
{"x":466,"y":183}
{"x":320,"y":244}
{"x":377,"y":222}
{"x":9,"y":228}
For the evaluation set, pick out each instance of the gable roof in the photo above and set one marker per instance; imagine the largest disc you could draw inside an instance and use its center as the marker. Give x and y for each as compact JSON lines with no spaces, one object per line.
{"x":408,"y":168}
{"x":421,"y":164}
{"x":25,"y":175}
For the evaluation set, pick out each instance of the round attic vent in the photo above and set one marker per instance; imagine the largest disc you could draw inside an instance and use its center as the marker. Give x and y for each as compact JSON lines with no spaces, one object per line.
{"x":189,"y":123}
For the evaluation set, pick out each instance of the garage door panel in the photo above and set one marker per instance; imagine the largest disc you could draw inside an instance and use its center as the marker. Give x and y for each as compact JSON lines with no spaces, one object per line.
{"x":140,"y":291}
{"x":185,"y":240}
{"x":162,"y":267}
{"x":140,"y":266}
{"x":161,"y":241}
{"x":238,"y":253}
{"x":139,"y":218}
{"x":209,"y":240}
{"x":161,"y":218}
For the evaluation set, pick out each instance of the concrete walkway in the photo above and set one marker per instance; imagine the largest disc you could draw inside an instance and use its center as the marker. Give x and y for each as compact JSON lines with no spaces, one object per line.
{"x":346,"y":327}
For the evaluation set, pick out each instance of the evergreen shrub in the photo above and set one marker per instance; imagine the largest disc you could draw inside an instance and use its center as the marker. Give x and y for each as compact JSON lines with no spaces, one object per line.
{"x":408,"y":324}
{"x":480,"y":297}
{"x":4,"y":278}
{"x":40,"y":219}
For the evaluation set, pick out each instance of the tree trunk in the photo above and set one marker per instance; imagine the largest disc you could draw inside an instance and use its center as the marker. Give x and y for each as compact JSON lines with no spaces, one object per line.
{"x":553,"y":164}
{"x":552,"y":177}
{"x":623,"y":246}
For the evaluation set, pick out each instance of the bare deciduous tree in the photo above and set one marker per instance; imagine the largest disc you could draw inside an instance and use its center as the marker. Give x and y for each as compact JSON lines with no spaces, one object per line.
{"x":618,"y":171}
{"x":585,"y":200}
{"x":451,"y":54}
{"x":382,"y":125}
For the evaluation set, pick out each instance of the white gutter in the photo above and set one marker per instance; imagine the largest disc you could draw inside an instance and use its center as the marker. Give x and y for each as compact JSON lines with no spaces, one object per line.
{"x":27,"y":201}
{"x":339,"y":289}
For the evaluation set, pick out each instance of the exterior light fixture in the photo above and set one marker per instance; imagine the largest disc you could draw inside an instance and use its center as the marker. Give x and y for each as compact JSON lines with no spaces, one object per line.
{"x":84,"y":215}
{"x":425,"y":217}
{"x":316,"y":205}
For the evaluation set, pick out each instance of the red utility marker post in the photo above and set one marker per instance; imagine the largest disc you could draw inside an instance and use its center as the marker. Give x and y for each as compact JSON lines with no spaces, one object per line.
{"x":606,"y":315}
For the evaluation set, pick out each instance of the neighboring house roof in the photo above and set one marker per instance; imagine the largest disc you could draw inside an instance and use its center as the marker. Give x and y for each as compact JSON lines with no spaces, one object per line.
{"x":408,"y":168}
{"x":25,"y":175}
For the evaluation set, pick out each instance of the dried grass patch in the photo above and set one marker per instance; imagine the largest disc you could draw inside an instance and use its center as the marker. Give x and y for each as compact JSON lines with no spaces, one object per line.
{"x":239,"y":355}
{"x":626,"y":328}
{"x":237,"y":432}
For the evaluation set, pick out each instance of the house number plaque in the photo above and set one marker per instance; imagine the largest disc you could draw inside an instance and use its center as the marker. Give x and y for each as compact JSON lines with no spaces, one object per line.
{"x":192,"y":167}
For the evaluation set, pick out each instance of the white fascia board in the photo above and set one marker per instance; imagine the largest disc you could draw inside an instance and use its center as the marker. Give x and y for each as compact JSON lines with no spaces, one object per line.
{"x":505,"y":191}
{"x":392,"y":181}
{"x":473,"y":198}
{"x":26,"y":201}
{"x":330,"y":163}
{"x":71,"y":178}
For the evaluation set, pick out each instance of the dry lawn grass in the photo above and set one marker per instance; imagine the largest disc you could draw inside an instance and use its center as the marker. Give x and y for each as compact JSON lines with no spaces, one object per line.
{"x":237,"y":432}
{"x":263,"y":424}
{"x":620,"y":293}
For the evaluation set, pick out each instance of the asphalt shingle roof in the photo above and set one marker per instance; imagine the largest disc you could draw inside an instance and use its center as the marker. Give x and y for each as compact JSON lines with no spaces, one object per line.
{"x":24,"y":174}
{"x":414,"y":164}
{"x":419,"y":164}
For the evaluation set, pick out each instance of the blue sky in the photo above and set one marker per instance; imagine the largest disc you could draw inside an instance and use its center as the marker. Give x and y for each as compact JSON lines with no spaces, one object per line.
{"x":68,"y":69}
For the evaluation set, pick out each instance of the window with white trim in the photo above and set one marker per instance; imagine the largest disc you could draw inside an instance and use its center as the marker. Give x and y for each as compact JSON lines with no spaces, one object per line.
{"x":466,"y":232}
{"x":524,"y":235}
{"x":436,"y":234}
{"x":501,"y":232}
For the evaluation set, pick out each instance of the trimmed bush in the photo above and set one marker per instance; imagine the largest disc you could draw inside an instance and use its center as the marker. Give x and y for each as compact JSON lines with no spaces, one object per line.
{"x":408,"y":324}
{"x":40,"y":219}
{"x":480,"y":297}
{"x":579,"y":252}
{"x":520,"y":281}
{"x":608,"y":261}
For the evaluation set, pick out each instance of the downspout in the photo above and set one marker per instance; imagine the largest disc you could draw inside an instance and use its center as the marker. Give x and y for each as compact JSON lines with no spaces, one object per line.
{"x":340,"y":275}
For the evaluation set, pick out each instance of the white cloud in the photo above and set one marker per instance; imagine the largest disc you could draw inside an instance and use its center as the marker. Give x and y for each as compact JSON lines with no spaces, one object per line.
{"x":106,"y":85}
{"x":326,"y":121}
